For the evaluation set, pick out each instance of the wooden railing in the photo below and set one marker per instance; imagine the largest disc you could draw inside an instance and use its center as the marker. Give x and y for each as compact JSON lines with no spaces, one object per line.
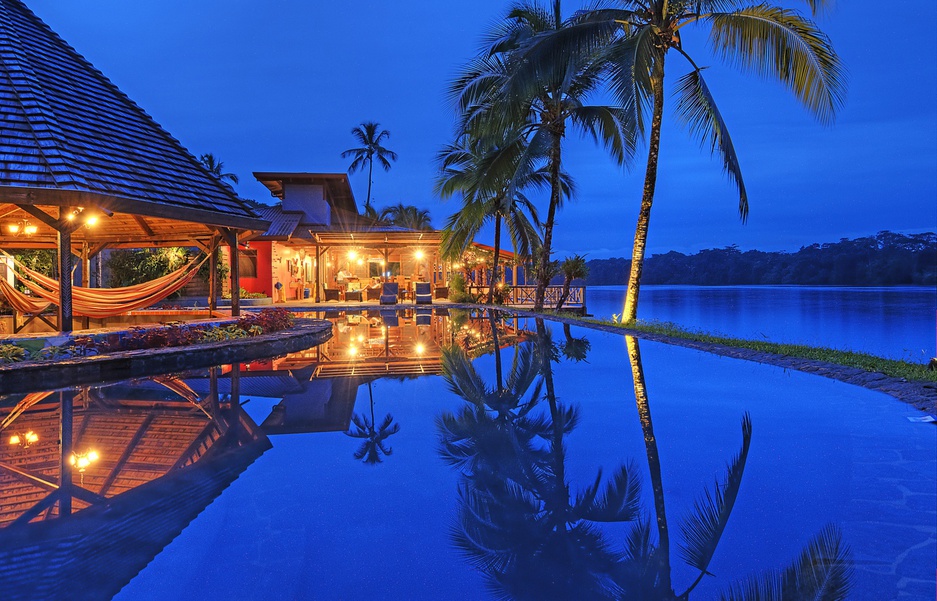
{"x":523,"y":296}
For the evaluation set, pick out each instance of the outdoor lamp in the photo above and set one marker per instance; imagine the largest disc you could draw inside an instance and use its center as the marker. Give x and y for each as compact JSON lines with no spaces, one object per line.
{"x":25,"y":439}
{"x":352,"y":255}
{"x":418,"y":254}
{"x":83,"y":460}
{"x":13,"y":228}
{"x":30,"y":229}
{"x":420,"y":348}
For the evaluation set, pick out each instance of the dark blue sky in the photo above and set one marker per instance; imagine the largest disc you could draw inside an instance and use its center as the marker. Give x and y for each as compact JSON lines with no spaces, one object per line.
{"x":278,"y":85}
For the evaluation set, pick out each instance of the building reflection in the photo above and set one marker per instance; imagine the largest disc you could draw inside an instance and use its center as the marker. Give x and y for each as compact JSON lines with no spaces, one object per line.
{"x":138,"y":461}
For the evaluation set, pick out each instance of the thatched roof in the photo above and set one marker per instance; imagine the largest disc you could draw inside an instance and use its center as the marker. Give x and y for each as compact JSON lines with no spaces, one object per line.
{"x":69,"y":137}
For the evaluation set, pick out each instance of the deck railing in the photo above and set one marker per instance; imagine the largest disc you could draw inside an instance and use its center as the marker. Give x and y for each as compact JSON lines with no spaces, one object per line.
{"x":523,"y":296}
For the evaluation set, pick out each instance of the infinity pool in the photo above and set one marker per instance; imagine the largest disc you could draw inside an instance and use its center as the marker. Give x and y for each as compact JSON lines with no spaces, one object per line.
{"x":388,"y":463}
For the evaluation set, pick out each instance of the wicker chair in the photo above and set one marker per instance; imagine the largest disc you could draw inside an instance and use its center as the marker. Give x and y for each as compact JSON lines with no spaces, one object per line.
{"x":424,"y":295}
{"x":389,"y":293}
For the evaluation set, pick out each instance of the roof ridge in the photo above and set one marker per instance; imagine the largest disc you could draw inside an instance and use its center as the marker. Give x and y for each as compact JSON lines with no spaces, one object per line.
{"x":50,"y":139}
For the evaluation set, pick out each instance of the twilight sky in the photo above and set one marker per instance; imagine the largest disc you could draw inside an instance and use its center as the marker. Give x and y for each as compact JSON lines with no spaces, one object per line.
{"x":277,"y":85}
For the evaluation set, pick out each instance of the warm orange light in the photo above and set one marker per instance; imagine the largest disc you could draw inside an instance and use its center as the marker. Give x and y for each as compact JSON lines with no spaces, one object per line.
{"x":420,"y":349}
{"x":360,"y":262}
{"x":352,"y":255}
{"x":286,"y":252}
{"x":13,"y":228}
{"x":83,"y":460}
{"x":30,"y":230}
{"x":70,"y":217}
{"x":352,"y":351}
{"x":15,"y":439}
{"x":418,"y":254}
{"x":92,"y":220}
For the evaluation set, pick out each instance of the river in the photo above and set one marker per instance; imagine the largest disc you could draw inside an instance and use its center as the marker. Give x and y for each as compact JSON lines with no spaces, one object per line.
{"x":897,"y":323}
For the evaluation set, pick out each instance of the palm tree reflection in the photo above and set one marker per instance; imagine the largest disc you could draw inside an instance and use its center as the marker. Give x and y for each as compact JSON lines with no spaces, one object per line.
{"x":520,"y":525}
{"x":372,"y":445}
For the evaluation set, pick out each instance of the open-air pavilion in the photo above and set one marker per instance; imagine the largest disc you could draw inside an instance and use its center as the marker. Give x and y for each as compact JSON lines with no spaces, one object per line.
{"x":85,"y":169}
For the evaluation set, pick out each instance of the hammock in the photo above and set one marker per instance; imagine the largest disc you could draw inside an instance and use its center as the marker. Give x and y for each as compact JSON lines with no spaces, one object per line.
{"x":29,"y":305}
{"x":99,"y":302}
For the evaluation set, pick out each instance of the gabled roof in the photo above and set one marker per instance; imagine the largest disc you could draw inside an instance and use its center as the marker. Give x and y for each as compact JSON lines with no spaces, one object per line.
{"x":72,"y":138}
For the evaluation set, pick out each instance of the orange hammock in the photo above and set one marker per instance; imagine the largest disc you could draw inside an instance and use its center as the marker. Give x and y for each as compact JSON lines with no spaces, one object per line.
{"x":20,"y":302}
{"x":98,"y":302}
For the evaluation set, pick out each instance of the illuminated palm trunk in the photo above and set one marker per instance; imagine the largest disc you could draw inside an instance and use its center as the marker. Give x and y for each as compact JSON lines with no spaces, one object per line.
{"x":653,"y":461}
{"x":497,"y":257}
{"x":555,"y":191}
{"x":630,"y":313}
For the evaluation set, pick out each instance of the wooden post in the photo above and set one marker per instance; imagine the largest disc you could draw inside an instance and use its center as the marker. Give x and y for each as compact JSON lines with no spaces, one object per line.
{"x":65,"y":456}
{"x":316,"y":267}
{"x":213,"y":277}
{"x":232,"y":239}
{"x":64,"y":239}
{"x":85,"y":276}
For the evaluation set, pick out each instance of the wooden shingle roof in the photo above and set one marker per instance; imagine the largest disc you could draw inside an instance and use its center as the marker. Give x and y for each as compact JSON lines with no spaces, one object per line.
{"x":70,"y":137}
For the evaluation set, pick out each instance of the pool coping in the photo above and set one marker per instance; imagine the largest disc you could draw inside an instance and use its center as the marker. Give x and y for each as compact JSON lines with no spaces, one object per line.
{"x":75,"y":371}
{"x":920,"y":394}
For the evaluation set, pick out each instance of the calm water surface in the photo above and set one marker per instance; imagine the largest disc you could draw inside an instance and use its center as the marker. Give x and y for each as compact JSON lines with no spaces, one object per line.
{"x":892,"y":322}
{"x":386,"y":464}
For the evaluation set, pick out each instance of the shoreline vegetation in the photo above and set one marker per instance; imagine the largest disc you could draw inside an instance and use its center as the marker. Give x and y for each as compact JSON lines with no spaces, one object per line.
{"x":885,"y":259}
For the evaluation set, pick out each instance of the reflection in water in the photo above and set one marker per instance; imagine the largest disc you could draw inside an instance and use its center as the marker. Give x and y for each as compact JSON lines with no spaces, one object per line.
{"x":372,"y":447}
{"x":79,"y":520}
{"x":519,"y":524}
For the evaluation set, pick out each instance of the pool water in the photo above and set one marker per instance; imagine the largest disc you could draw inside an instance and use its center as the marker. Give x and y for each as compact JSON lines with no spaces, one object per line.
{"x":456,"y":490}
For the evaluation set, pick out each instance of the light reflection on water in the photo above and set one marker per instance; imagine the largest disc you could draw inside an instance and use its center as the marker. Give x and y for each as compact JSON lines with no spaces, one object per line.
{"x":449,"y":483}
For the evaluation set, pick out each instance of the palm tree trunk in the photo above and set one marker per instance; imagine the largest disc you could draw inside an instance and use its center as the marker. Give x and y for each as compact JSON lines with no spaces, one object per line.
{"x":653,"y":461}
{"x":497,"y":257}
{"x":367,"y":201}
{"x":630,"y":312}
{"x":556,"y":444}
{"x":567,"y":282}
{"x":497,"y":350}
{"x":555,"y":191}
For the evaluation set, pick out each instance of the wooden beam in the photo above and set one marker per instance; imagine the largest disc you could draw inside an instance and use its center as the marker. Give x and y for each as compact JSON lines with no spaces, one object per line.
{"x":144,"y":225}
{"x":65,"y":275}
{"x":125,"y":456}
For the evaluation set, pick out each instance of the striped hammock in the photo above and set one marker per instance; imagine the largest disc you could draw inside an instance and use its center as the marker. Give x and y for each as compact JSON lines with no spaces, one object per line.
{"x":95,"y":302}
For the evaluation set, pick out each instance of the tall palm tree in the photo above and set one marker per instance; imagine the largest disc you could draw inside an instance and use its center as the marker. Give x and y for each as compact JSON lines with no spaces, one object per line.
{"x":370,"y":136}
{"x":636,"y":36}
{"x":216,"y":167}
{"x":373,"y":436}
{"x":491,"y":180}
{"x":407,"y":216}
{"x":500,"y":91}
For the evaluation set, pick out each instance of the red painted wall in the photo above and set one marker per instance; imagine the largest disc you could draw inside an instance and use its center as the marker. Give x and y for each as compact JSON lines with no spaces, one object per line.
{"x":264,"y":280}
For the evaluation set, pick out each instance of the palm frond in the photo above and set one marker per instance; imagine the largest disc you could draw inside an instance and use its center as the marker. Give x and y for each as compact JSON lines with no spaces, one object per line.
{"x":619,"y":501}
{"x":823,"y":571}
{"x":778,"y":43}
{"x":697,"y":109}
{"x":705,"y":525}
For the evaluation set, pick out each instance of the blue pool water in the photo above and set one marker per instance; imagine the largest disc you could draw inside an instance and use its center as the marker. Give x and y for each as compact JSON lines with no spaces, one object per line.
{"x":897,"y":322}
{"x":309,"y":520}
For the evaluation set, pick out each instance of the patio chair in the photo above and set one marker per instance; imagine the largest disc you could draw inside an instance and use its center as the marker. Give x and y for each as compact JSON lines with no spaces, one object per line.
{"x":390,"y":318}
{"x":353,"y":295}
{"x":424,"y":316}
{"x":389,"y":293}
{"x":424,"y":295}
{"x":373,"y":294}
{"x":332,"y":294}
{"x":442,"y":291}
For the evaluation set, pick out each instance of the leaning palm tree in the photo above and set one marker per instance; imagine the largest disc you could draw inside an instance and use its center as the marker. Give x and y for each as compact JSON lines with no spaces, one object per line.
{"x":491,"y":180}
{"x":572,"y":268}
{"x":636,"y":36}
{"x":216,"y":167}
{"x":407,"y":216}
{"x":500,"y":91}
{"x":370,"y":136}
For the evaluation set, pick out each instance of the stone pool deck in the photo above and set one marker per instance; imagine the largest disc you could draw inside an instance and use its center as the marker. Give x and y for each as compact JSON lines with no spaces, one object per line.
{"x":33,"y":375}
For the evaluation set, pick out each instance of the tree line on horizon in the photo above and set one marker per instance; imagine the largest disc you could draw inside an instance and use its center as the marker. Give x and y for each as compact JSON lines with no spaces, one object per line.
{"x":885,"y":259}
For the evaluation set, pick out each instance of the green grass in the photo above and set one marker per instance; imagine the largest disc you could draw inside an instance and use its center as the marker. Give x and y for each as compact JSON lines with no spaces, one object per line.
{"x":863,"y":361}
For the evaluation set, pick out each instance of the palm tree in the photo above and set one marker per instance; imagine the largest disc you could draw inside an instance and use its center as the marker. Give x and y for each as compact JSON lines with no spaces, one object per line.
{"x":407,"y":216}
{"x":636,"y":36}
{"x":372,"y":446}
{"x":501,"y":91}
{"x":370,"y":136}
{"x":491,"y":179}
{"x":216,"y":167}
{"x":572,"y":268}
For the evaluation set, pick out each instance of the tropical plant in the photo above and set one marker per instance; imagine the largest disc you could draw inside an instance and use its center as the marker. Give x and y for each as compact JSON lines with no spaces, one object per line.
{"x":216,"y":167}
{"x":407,"y":216}
{"x":502,"y":91}
{"x":634,"y":37}
{"x":372,"y":445}
{"x":370,"y":137}
{"x":491,"y":179}
{"x":572,"y":268}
